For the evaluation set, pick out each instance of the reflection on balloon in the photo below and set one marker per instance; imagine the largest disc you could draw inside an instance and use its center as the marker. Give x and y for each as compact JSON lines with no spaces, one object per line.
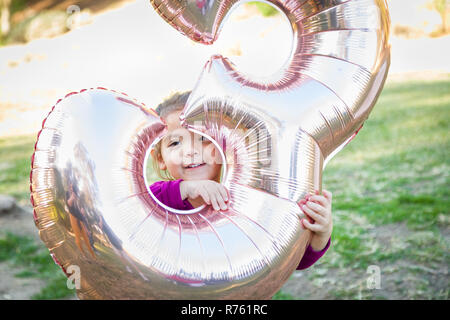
{"x":92,"y":205}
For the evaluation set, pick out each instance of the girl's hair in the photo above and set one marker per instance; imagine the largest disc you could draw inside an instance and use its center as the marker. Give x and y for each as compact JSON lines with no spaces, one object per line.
{"x":174,"y":102}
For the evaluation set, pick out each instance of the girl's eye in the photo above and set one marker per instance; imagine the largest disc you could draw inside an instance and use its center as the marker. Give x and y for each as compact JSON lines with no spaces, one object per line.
{"x":173,"y":143}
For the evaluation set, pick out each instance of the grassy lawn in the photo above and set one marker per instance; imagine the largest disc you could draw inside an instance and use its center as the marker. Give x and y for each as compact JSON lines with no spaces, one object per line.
{"x":391,"y":199}
{"x":390,"y":207}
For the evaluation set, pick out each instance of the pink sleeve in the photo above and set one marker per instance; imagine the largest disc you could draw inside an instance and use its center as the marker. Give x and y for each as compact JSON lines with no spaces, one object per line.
{"x":311,"y":256}
{"x":168,"y":192}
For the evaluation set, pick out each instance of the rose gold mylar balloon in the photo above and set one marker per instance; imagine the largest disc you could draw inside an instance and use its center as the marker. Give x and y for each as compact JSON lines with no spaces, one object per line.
{"x":94,"y":212}
{"x":91,"y":201}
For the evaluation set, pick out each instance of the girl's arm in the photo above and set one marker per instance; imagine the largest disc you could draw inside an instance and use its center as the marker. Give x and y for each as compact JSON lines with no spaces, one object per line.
{"x":168,"y":192}
{"x":212,"y":193}
{"x":311,"y":256}
{"x":317,"y":209}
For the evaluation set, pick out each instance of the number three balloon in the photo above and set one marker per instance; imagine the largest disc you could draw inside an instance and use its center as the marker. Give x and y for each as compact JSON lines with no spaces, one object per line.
{"x":92,"y":204}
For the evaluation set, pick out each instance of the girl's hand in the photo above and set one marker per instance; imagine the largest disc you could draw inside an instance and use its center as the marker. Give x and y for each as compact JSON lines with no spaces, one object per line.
{"x":212,"y":192}
{"x":317,"y":209}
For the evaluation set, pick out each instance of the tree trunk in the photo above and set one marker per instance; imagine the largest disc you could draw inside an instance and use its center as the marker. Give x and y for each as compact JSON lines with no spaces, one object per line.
{"x":4,"y":16}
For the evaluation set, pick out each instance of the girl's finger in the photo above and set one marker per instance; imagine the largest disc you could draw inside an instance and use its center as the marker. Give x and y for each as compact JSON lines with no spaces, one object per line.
{"x":214,"y":202}
{"x":320,"y":199}
{"x":305,"y":199}
{"x":317,"y":208}
{"x":221,"y":201}
{"x":204,"y":194}
{"x":310,"y":226}
{"x":306,"y":215}
{"x":302,"y":224}
{"x":301,"y":202}
{"x":327,"y":194}
{"x":313,"y":215}
{"x":223,"y":192}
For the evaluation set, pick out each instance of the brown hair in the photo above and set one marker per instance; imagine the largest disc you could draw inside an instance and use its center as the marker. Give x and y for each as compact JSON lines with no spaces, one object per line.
{"x":174,"y":102}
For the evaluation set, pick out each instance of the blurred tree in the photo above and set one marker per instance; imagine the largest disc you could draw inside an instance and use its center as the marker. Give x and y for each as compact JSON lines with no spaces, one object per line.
{"x":443,"y":7}
{"x":265,"y":9}
{"x":4,"y":17}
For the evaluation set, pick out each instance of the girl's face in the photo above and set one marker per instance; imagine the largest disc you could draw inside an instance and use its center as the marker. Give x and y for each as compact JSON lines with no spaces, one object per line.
{"x":186,"y":155}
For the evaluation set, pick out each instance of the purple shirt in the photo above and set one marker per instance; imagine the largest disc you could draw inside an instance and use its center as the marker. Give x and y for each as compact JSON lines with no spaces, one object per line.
{"x":168,"y":192}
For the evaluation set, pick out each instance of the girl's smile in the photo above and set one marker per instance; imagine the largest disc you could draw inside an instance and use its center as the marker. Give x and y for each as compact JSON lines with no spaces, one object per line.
{"x":186,"y":155}
{"x":194,"y":166}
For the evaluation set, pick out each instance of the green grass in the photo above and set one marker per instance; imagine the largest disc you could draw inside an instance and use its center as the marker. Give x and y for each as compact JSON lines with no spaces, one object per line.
{"x":280,"y":295}
{"x":15,"y":164}
{"x":397,"y":169}
{"x":395,"y":174}
{"x":33,"y":260}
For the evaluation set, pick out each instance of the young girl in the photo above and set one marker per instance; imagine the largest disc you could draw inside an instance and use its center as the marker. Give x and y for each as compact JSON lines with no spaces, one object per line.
{"x":191,"y":179}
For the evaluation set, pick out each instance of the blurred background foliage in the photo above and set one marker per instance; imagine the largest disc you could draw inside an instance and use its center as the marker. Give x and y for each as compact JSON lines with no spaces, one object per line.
{"x":25,"y":20}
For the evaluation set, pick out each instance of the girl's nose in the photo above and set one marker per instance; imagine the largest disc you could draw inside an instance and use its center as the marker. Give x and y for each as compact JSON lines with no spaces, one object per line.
{"x":189,"y":152}
{"x":192,"y":149}
{"x":191,"y":156}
